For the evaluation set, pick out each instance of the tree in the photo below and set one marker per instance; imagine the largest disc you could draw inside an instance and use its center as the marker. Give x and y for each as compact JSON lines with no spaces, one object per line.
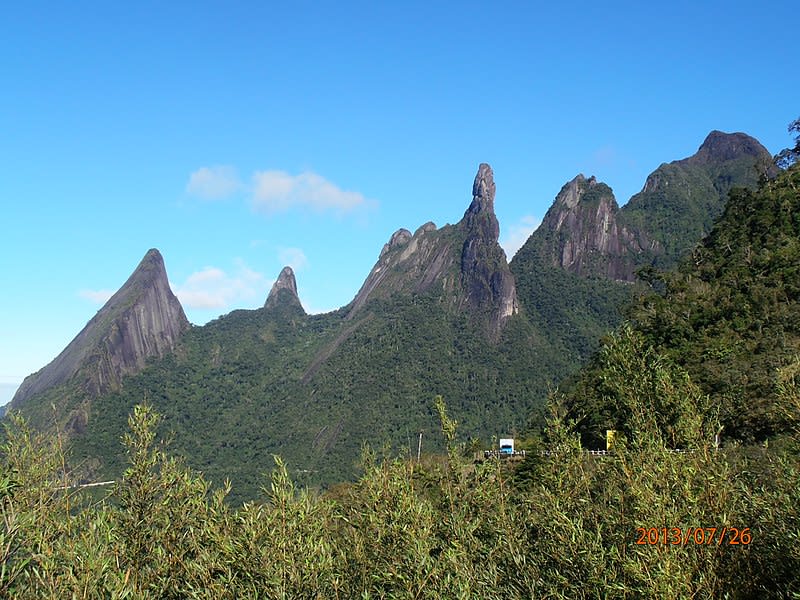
{"x":788,"y":156}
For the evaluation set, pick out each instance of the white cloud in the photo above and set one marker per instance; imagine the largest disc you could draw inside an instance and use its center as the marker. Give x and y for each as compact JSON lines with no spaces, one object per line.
{"x":518,"y":233}
{"x":213,"y":183}
{"x":212,"y":287}
{"x":273,"y":191}
{"x":207,"y":275}
{"x":278,"y":191}
{"x":96,"y":296}
{"x":318,"y":311}
{"x":293,"y":257}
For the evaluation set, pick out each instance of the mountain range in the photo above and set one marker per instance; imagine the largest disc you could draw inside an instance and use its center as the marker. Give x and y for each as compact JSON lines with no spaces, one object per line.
{"x":441,"y":312}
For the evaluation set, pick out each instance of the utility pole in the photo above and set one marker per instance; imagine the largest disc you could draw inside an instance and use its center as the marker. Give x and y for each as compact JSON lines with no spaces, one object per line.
{"x":419,"y":446}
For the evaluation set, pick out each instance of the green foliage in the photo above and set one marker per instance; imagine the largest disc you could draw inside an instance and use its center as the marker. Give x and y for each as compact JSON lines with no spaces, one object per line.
{"x":314,"y":388}
{"x":282,"y":549}
{"x":443,"y":528}
{"x":629,"y":384}
{"x":715,"y":350}
{"x":164,"y":520}
{"x":731,"y":315}
{"x":788,"y":156}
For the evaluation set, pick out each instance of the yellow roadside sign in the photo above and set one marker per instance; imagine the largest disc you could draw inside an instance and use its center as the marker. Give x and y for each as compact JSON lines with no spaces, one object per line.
{"x":610,"y":435}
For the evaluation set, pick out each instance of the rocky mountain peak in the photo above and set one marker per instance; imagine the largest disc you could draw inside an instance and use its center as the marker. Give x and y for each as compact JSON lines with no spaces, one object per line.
{"x":399,"y":237}
{"x":483,"y":189}
{"x":575,"y":197}
{"x":462,"y":262}
{"x":720,"y":152}
{"x":485,"y":276}
{"x":150,"y":272}
{"x":141,"y":320}
{"x":681,"y":199}
{"x":284,"y":290}
{"x":571,"y":194}
{"x":480,"y":213}
{"x":152,"y":259}
{"x":720,"y":147}
{"x":425,"y":228}
{"x":581,"y":232}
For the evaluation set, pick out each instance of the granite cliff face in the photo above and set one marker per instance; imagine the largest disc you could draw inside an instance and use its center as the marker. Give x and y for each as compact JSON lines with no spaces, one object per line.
{"x":463,"y":263}
{"x":582,"y":233}
{"x":142,"y":320}
{"x":585,"y":232}
{"x":284,"y":292}
{"x":485,"y":276}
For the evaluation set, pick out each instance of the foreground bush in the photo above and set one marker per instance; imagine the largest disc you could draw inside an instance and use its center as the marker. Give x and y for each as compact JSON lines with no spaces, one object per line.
{"x":563,"y":525}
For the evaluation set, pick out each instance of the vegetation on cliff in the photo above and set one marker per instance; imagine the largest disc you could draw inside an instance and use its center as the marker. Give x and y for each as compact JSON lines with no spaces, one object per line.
{"x":728,"y":319}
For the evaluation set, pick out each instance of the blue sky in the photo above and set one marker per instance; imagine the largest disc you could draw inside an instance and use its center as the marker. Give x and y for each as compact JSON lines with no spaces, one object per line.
{"x":239,"y":137}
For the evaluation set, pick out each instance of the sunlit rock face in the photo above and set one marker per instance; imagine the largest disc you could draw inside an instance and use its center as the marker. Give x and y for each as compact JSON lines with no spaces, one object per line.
{"x":464,"y":263}
{"x":284,"y":291}
{"x":582,"y":233}
{"x":143,"y":319}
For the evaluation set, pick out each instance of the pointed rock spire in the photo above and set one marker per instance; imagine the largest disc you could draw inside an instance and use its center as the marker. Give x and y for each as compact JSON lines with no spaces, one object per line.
{"x":284,"y":291}
{"x":485,"y":275}
{"x":483,"y":190}
{"x":464,"y":263}
{"x":142,"y":320}
{"x":480,"y":214}
{"x":582,"y":233}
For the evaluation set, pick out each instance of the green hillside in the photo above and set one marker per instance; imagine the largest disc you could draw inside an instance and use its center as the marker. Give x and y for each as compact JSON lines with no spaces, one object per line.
{"x":437,"y":315}
{"x":681,"y":200}
{"x":730,"y":316}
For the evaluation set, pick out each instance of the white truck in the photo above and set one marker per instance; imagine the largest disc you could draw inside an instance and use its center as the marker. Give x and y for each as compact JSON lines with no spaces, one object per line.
{"x":505,"y":450}
{"x":507,"y":446}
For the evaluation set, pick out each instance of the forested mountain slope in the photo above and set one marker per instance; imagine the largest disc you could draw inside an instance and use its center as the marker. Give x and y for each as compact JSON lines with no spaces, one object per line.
{"x":441,"y":312}
{"x":730,"y":316}
{"x":681,"y":200}
{"x":437,"y":314}
{"x":573,"y":274}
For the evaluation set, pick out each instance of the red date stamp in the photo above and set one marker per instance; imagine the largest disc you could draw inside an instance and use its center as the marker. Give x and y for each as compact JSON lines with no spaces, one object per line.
{"x":699,"y":536}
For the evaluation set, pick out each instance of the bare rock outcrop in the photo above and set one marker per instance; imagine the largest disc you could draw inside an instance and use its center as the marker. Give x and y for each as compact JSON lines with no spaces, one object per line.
{"x":485,"y":276}
{"x":410,"y":263}
{"x":464,"y":263}
{"x":582,"y":233}
{"x":143,"y":319}
{"x":585,"y":232}
{"x":284,"y":291}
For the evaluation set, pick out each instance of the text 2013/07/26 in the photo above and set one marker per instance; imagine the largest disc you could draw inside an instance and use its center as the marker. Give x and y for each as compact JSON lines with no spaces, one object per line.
{"x":679,"y":536}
